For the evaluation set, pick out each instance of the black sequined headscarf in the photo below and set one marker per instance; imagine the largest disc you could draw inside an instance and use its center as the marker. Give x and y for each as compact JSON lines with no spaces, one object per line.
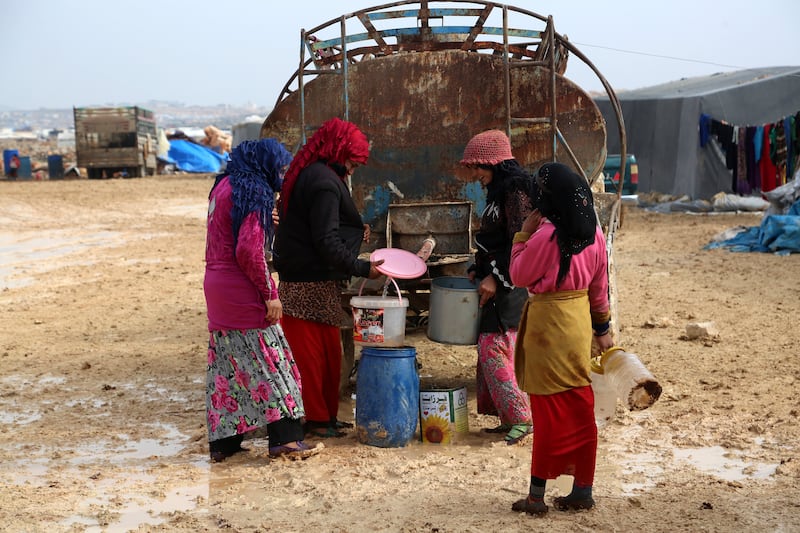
{"x":566,"y":200}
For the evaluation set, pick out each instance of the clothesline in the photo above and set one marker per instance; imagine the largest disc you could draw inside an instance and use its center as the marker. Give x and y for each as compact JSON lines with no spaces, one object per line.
{"x":760,"y":157}
{"x":723,"y":121}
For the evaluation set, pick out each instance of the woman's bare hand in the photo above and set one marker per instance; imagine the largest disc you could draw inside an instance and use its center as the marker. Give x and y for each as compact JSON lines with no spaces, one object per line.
{"x":487,"y":289}
{"x":532,"y":222}
{"x":604,"y":342}
{"x":274,"y":310}
{"x":373,"y":271}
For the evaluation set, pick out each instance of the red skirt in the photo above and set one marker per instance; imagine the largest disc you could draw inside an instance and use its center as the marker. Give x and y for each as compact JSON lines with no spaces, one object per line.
{"x":564,"y":435}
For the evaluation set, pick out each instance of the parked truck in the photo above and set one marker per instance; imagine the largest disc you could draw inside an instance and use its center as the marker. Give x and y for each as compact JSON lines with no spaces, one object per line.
{"x":630,"y":183}
{"x":115,"y":141}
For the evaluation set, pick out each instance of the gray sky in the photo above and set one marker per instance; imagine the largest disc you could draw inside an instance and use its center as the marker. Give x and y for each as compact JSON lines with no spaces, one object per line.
{"x":64,"y":53}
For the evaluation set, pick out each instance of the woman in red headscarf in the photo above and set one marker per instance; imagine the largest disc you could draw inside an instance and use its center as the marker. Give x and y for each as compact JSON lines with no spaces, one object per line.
{"x":316,"y":248}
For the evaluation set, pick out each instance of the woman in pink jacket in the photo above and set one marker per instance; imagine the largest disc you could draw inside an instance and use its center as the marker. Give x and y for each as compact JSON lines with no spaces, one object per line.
{"x":560,"y":256}
{"x":252,"y":380}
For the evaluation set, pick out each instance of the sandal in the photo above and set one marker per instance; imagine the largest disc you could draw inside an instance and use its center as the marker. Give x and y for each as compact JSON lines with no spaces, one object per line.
{"x":502,"y":428}
{"x":518,"y":432}
{"x":322,"y":430}
{"x":300,"y":450}
{"x":343,"y":425}
{"x":530,"y":506}
{"x":566,"y":503}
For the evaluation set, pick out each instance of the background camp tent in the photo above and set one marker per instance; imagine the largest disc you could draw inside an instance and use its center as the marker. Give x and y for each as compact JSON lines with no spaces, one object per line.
{"x":662,"y":125}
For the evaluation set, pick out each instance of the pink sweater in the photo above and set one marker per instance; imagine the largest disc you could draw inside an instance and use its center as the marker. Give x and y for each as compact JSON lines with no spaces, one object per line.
{"x":534,"y":264}
{"x":238,"y":286}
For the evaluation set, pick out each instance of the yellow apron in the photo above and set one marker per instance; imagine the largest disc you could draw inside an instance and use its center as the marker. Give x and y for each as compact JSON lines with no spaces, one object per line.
{"x":554,"y":343}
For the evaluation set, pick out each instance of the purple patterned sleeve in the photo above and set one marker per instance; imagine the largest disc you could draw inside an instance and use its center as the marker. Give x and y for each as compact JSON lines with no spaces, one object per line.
{"x":517,"y":210}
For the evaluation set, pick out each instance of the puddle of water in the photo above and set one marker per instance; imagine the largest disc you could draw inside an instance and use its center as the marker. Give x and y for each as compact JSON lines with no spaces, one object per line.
{"x":17,"y":418}
{"x":52,"y":380}
{"x":722,"y":463}
{"x":180,"y":499}
{"x":12,"y":413}
{"x":140,"y":510}
{"x":641,"y":473}
{"x":15,"y":381}
{"x":19,"y":254}
{"x":156,"y":393}
{"x":170,"y":442}
{"x":32,"y":471}
{"x":93,"y":402}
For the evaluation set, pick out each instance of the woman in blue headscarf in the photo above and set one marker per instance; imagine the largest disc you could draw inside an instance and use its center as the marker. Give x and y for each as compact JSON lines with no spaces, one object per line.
{"x":252,"y":380}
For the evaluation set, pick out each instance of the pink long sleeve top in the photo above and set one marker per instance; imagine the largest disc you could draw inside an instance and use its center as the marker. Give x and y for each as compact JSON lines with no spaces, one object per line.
{"x":236,"y":285}
{"x":535,"y":259}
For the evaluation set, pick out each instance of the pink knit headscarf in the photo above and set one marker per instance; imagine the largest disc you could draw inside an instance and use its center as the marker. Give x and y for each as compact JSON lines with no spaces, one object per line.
{"x":487,"y":148}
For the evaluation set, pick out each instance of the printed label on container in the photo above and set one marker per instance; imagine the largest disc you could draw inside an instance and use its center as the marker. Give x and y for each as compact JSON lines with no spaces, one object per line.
{"x":443,"y":414}
{"x":368,"y":325}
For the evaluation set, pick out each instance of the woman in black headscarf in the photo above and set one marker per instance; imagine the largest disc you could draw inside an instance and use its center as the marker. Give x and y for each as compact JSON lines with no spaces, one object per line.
{"x":560,"y":256}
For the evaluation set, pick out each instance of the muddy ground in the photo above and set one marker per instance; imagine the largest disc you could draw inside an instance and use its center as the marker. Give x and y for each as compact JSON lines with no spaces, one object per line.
{"x":103,"y":350}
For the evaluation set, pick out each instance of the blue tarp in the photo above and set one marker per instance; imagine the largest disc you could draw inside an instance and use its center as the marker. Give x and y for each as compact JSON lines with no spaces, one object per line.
{"x":193,"y":157}
{"x":779,"y":234}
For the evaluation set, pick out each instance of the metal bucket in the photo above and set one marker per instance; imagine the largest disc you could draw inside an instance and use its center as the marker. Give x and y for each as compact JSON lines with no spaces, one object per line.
{"x":454,"y":315}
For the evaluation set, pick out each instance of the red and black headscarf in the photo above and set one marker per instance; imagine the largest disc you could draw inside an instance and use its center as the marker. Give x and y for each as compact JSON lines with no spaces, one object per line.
{"x":334,"y":143}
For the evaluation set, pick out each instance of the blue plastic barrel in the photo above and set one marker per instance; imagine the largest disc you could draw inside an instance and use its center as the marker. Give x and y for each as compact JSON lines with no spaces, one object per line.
{"x":25,"y":168}
{"x":387,"y":396}
{"x":55,"y":166}
{"x":7,"y":154}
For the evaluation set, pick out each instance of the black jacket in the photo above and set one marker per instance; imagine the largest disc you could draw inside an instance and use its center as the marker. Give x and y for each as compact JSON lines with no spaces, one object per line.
{"x":508,"y":203}
{"x":319,"y":235}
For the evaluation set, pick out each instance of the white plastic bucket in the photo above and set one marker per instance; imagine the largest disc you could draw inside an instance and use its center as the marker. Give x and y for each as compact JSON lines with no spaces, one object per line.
{"x":453,"y":314}
{"x":632,"y":383}
{"x":379,"y":320}
{"x":605,"y":400}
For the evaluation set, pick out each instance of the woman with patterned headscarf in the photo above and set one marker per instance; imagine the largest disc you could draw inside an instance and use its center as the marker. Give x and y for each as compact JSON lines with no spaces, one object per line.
{"x":509,"y":191}
{"x":252,"y":381}
{"x":560,"y":256}
{"x":316,"y":248}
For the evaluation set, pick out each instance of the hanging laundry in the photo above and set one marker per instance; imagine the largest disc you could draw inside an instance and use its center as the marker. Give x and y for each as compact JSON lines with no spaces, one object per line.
{"x":768,"y":170}
{"x":742,"y":186}
{"x":759,"y":157}
{"x":705,"y":129}
{"x":753,"y":177}
{"x":780,"y":152}
{"x":758,"y":139}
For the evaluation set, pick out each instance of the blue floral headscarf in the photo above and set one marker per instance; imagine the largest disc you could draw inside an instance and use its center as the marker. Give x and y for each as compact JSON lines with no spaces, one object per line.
{"x":255,"y":172}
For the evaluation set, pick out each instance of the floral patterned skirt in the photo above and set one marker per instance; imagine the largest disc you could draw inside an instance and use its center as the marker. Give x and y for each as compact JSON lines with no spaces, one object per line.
{"x":251,"y":381}
{"x":497,"y":390}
